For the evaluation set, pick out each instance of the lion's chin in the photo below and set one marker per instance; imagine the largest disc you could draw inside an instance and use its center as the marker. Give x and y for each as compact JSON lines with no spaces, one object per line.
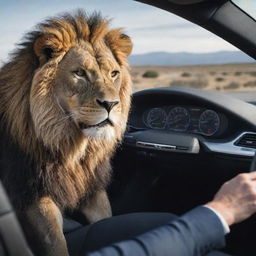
{"x":103,"y":133}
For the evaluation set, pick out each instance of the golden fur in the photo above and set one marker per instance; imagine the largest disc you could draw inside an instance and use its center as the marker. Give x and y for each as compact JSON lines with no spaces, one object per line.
{"x":44,"y":102}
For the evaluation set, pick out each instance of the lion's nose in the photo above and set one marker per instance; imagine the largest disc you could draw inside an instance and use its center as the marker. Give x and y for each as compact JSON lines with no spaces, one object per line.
{"x":108,"y":105}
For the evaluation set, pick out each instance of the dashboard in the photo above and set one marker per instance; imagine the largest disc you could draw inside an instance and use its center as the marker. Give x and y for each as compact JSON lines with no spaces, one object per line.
{"x":189,"y":119}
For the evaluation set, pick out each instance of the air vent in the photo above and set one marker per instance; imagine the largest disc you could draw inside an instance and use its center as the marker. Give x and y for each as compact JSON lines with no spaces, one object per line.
{"x":247,"y":140}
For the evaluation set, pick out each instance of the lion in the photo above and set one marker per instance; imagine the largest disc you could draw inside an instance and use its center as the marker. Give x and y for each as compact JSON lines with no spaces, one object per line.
{"x":65,"y":98}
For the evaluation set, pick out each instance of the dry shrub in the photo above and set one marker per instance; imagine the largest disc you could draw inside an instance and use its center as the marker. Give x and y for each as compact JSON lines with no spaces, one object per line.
{"x":219,"y":79}
{"x":232,"y":85}
{"x":185,"y":74}
{"x":198,"y":84}
{"x":250,"y":84}
{"x":238,"y":73}
{"x":253,"y":73}
{"x":150,"y":74}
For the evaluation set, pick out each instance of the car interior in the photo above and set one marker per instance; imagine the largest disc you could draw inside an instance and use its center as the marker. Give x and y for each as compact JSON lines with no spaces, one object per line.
{"x":181,"y":144}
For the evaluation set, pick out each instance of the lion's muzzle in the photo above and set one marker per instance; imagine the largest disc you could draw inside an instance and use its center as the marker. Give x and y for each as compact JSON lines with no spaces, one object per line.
{"x":108,"y":105}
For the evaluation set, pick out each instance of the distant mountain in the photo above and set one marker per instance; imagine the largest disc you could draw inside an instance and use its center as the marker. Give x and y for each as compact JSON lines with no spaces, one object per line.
{"x":185,"y":58}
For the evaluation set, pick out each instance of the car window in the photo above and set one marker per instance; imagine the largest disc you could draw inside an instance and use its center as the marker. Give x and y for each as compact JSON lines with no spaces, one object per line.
{"x":249,"y":6}
{"x":168,"y":50}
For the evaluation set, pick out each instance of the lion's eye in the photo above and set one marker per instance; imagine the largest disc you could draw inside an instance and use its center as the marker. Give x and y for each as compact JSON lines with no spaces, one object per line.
{"x":80,"y":72}
{"x":114,"y":73}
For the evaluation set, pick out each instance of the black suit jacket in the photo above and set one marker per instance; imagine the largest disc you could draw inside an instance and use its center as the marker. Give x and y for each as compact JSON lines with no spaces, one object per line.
{"x":193,"y":234}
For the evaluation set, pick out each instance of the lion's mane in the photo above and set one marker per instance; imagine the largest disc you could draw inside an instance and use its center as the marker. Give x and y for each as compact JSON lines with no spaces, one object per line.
{"x":72,"y":167}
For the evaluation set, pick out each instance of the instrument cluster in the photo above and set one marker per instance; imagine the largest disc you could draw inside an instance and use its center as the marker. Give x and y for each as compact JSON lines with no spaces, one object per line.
{"x":183,"y":119}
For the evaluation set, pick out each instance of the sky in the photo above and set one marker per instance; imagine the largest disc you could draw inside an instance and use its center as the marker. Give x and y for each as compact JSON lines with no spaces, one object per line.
{"x":247,"y":5}
{"x":150,"y":28}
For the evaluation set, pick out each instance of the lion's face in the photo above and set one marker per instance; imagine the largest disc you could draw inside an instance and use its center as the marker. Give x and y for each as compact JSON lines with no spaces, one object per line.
{"x":87,"y":89}
{"x":82,"y":84}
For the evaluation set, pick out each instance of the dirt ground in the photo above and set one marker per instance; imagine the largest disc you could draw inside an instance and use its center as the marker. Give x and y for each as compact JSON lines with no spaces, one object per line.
{"x":228,"y":77}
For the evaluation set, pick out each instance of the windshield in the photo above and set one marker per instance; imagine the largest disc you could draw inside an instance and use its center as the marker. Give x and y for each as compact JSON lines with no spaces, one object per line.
{"x":168,"y":50}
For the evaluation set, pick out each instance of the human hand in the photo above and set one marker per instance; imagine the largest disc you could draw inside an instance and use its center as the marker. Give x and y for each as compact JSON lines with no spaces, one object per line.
{"x":236,"y":199}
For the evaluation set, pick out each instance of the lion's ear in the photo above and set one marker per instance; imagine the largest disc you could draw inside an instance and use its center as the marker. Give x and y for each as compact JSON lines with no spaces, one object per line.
{"x":46,"y":47}
{"x":119,"y":43}
{"x":125,"y":44}
{"x":48,"y":52}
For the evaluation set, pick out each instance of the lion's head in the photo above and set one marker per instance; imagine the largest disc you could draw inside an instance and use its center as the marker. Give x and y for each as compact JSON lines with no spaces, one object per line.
{"x":69,"y":82}
{"x":65,"y":98}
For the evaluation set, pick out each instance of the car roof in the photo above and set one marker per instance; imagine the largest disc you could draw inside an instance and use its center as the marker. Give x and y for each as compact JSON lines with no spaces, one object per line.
{"x":222,"y":17}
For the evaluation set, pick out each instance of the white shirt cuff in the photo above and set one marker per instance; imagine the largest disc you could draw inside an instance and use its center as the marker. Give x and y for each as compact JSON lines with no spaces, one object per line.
{"x":222,"y":220}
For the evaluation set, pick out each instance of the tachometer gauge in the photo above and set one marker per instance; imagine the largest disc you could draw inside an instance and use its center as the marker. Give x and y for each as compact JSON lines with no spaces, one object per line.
{"x":156,"y":118}
{"x":209,"y":122}
{"x":178,"y":119}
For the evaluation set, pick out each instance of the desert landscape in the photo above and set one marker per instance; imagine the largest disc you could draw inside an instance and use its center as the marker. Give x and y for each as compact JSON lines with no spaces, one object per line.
{"x":226,"y":77}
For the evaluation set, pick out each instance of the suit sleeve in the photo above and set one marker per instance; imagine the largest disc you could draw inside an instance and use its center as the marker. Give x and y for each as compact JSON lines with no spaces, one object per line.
{"x":193,"y":234}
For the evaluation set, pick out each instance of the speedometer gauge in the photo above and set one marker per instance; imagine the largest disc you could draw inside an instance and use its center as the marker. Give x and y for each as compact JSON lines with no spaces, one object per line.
{"x":178,"y":119}
{"x":209,"y":122}
{"x":156,"y":118}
